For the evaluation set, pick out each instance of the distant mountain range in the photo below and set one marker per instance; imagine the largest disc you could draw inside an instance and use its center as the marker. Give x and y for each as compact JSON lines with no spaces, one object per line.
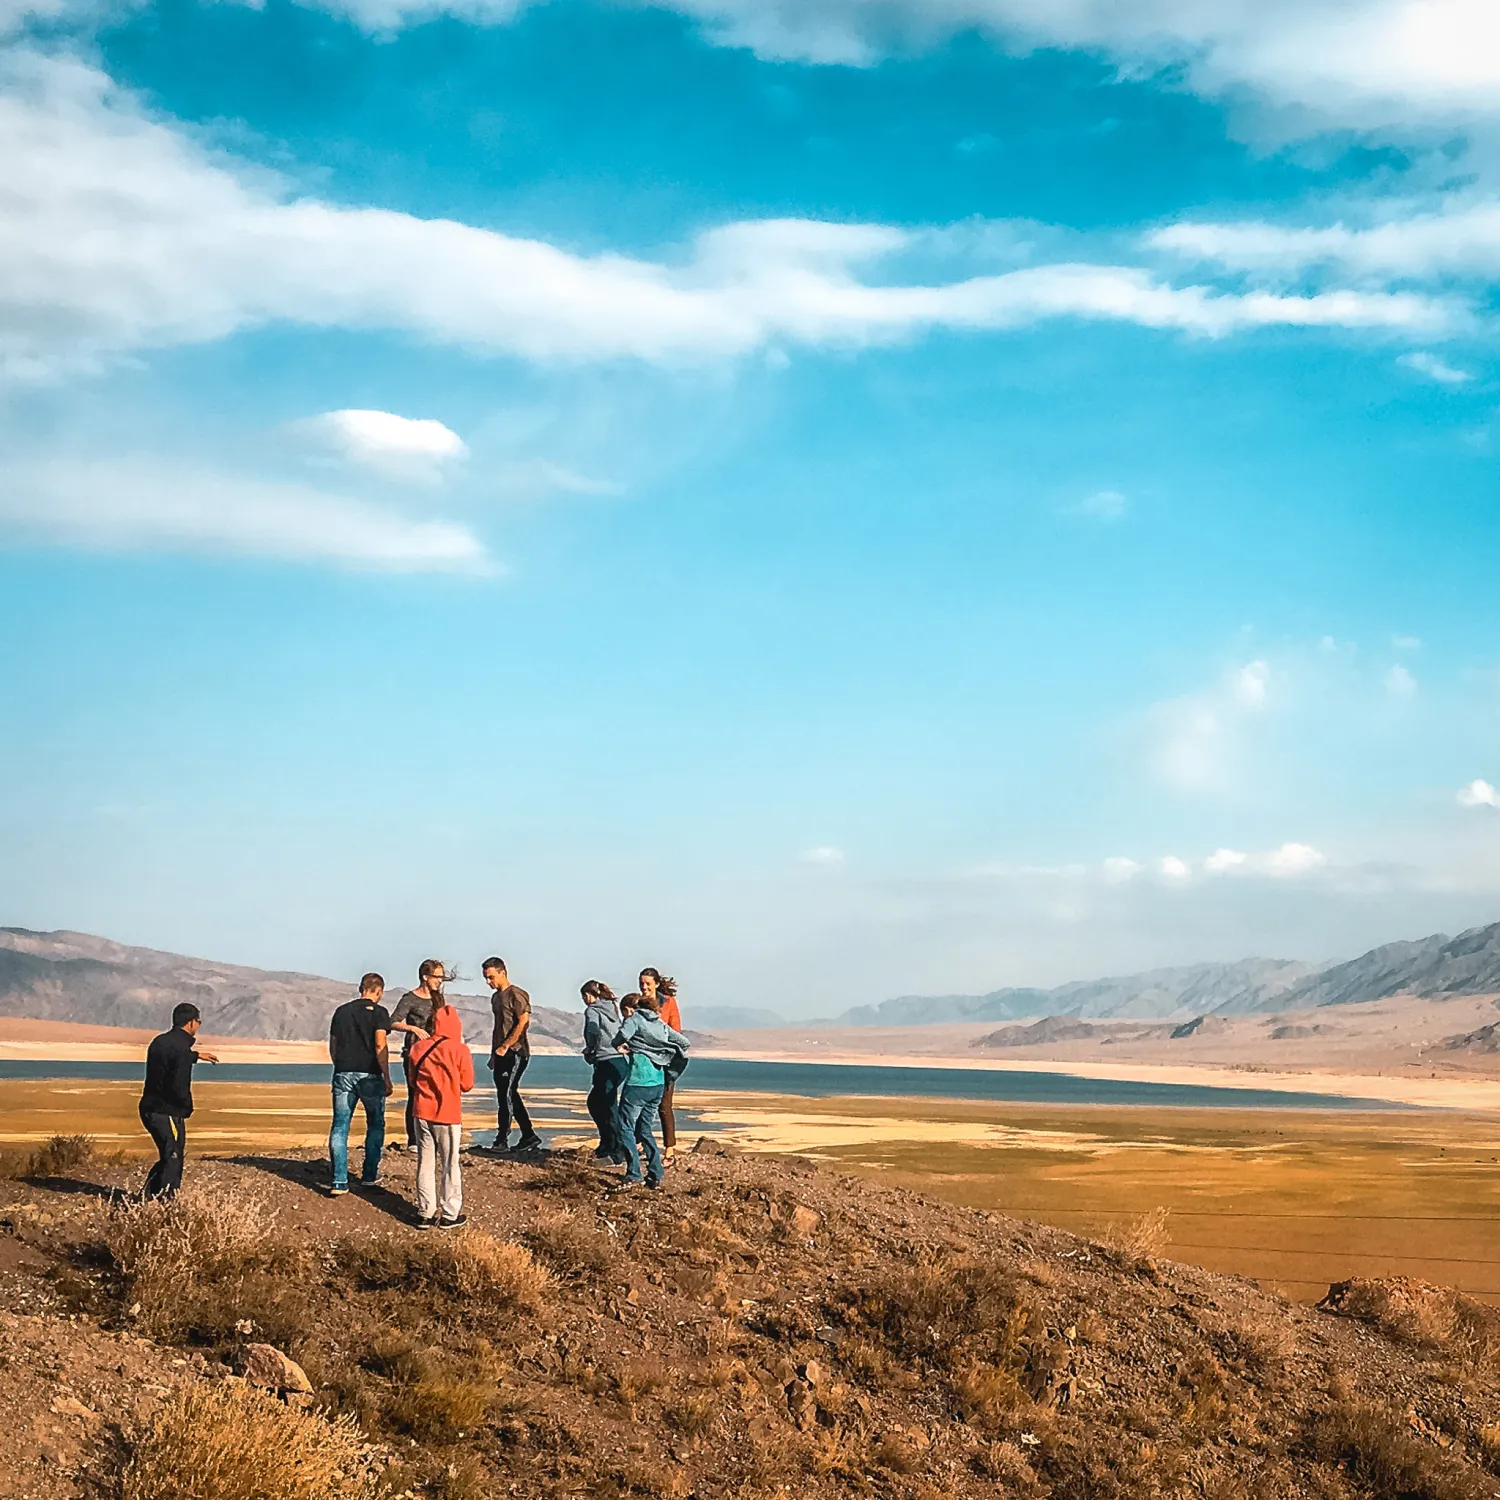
{"x":71,"y":976}
{"x":1432,"y":968}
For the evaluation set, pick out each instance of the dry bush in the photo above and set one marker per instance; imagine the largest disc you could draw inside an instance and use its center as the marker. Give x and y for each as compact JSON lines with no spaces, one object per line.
{"x":232,"y":1442}
{"x":435,"y":1395}
{"x":570,"y":1247}
{"x":1377,"y":1450}
{"x":635,"y":1378}
{"x":61,"y":1155}
{"x":984,"y":1394}
{"x":199,"y":1263}
{"x":1141,"y":1238}
{"x":691,"y":1415}
{"x":1263,"y":1340}
{"x":467,"y":1265}
{"x":1428,"y":1317}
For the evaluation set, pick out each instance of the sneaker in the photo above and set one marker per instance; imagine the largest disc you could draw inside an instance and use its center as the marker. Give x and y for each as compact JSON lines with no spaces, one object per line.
{"x":454,"y":1223}
{"x":335,"y":1191}
{"x":368,"y":1182}
{"x":531,"y":1143}
{"x":653,"y":1185}
{"x":630,"y":1185}
{"x":602,"y":1155}
{"x":426,"y":1223}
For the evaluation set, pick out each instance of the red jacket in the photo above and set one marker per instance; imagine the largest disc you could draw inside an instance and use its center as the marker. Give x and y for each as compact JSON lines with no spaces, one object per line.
{"x":668,"y":1011}
{"x":441,"y":1069}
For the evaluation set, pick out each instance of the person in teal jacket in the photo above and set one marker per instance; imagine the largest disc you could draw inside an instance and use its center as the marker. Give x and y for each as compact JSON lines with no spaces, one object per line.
{"x":653,"y":1048}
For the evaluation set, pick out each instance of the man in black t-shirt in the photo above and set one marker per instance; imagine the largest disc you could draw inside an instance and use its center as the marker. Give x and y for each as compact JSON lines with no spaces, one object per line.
{"x":167,"y":1099}
{"x":413,"y":1015}
{"x":357,"y":1038}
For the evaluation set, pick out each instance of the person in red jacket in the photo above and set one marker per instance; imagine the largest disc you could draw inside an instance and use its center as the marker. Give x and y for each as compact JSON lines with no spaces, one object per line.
{"x":441,"y":1072}
{"x":654,"y":982}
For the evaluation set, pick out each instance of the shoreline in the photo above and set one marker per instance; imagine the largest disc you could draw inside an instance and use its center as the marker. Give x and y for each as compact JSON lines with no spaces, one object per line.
{"x":1467,"y":1095}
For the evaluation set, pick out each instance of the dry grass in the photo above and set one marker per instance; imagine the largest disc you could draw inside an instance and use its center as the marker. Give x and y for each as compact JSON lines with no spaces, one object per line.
{"x":436,"y":1395}
{"x":1378,"y":1451}
{"x":1139,"y":1239}
{"x":467,"y":1265}
{"x":574,"y":1250}
{"x":62,"y":1155}
{"x":231,"y":1442}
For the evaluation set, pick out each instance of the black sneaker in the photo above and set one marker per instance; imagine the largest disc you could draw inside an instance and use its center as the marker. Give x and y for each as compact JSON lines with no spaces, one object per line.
{"x":531,"y":1143}
{"x":453,"y":1223}
{"x":427,"y":1224}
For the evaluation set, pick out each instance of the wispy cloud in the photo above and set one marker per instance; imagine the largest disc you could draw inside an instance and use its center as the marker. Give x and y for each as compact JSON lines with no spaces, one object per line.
{"x":822,"y":854}
{"x":1399,"y":682}
{"x":1434,"y":368}
{"x":158,"y":503}
{"x":124,"y":234}
{"x":1478,"y":793}
{"x":410,"y":448}
{"x":1197,"y":739}
{"x":1102,"y":505}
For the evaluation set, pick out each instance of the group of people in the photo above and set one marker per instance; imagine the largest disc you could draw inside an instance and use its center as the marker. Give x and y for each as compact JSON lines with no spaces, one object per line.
{"x":634,"y":1046}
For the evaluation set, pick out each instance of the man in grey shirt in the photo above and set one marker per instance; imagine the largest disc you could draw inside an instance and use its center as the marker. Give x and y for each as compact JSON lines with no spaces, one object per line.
{"x":413,"y":1015}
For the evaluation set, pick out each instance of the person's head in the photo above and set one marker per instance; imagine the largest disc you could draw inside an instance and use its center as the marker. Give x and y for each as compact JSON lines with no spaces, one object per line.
{"x":650,"y":1001}
{"x":431,"y":976}
{"x":495,"y":974}
{"x":629,"y":1003}
{"x":371,"y":988}
{"x":596,"y":990}
{"x":186,"y":1017}
{"x":649,"y":980}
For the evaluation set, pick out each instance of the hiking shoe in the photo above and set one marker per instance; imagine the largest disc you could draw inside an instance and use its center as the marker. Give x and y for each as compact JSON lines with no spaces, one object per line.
{"x":426,"y":1223}
{"x":454,"y":1223}
{"x":335,"y":1191}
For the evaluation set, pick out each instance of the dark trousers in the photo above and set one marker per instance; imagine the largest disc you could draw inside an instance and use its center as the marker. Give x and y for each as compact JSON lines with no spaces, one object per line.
{"x":411,"y":1104}
{"x":170,"y":1134}
{"x":668,"y":1118}
{"x":604,"y":1103}
{"x":508,"y":1101}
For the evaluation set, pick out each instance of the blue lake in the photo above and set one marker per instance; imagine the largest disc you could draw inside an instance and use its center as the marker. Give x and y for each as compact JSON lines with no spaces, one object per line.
{"x":807,"y":1080}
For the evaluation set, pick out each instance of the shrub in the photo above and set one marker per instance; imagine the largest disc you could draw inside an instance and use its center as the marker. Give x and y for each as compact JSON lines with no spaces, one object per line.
{"x":436,"y":1395}
{"x":1141,"y":1238}
{"x":464,"y":1265}
{"x":61,"y":1155}
{"x":232,"y":1442}
{"x":571,"y":1248}
{"x":1378,"y":1451}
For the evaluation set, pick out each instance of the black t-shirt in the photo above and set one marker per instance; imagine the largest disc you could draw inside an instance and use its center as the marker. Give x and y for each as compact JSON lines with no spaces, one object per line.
{"x":169,"y":1074}
{"x":351,"y":1036}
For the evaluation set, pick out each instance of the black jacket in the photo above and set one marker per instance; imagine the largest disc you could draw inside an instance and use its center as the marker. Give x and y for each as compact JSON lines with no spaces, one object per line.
{"x":169,"y":1075}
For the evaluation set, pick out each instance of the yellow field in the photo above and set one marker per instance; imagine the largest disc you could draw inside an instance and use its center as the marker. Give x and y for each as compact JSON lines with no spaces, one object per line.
{"x":1295,"y":1199}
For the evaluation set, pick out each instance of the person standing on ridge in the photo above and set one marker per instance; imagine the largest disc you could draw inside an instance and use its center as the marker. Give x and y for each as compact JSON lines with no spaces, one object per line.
{"x":510,"y":1051}
{"x":601,"y":1023}
{"x":653,"y":1047}
{"x":167,"y":1099}
{"x":413,"y":1015}
{"x":442,"y":1072}
{"x":357,"y":1045}
{"x":664,"y":989}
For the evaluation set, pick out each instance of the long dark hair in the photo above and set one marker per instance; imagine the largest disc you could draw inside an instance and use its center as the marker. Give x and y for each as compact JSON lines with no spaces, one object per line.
{"x":596,"y":989}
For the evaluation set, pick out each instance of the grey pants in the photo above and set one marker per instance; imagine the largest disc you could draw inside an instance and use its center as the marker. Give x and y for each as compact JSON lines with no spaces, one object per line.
{"x":440,"y":1187}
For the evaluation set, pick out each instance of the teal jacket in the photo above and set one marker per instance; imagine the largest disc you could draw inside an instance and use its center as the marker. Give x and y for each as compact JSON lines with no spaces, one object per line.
{"x":654,"y":1044}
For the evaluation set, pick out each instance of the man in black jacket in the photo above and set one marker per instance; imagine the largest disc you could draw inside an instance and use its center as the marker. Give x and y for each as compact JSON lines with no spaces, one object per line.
{"x":167,"y":1099}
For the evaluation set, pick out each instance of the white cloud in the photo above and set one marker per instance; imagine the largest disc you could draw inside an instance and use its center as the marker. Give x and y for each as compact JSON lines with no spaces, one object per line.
{"x":121,"y":234}
{"x":156,"y":503}
{"x":1173,"y":868}
{"x":400,"y":447}
{"x":1478,"y":793}
{"x":1118,"y":869}
{"x":1435,"y":369}
{"x":1103,"y":505}
{"x":822,"y":854}
{"x":1293,"y":859}
{"x":1222,"y":860}
{"x":1361,"y":61}
{"x":1199,"y":734}
{"x":1399,"y":682}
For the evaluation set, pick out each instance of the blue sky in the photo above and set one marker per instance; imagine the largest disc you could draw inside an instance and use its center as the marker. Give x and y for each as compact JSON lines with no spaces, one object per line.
{"x":832,"y":500}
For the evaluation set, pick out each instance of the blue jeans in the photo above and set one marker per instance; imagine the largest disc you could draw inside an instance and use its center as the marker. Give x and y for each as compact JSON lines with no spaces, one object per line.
{"x":638,"y":1110}
{"x":369,"y":1090}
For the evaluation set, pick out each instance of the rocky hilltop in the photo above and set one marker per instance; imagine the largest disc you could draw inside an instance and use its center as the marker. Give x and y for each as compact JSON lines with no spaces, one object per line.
{"x":760,"y":1329}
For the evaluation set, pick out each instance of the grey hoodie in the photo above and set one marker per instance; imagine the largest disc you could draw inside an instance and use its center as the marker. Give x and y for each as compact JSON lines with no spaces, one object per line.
{"x":601,"y":1020}
{"x":647,"y":1034}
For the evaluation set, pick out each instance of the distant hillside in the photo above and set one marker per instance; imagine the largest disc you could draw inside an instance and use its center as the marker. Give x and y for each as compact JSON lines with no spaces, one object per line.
{"x":72,"y":976}
{"x":734,"y":1018}
{"x":1250,"y":984}
{"x":1433,"y":968}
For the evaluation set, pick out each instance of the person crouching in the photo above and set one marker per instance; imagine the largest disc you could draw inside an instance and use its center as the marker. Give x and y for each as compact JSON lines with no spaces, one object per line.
{"x":441,"y":1072}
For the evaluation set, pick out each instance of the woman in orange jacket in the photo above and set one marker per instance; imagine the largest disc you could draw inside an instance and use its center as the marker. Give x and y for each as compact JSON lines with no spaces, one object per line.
{"x":653,"y":982}
{"x":441,"y":1072}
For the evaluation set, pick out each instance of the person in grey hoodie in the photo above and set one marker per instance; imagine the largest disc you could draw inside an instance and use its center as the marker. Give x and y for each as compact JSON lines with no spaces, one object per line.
{"x":601,"y":1024}
{"x":653,"y":1047}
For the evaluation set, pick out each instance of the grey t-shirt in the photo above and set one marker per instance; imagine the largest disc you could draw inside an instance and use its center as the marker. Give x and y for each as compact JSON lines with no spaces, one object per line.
{"x":412,"y":1009}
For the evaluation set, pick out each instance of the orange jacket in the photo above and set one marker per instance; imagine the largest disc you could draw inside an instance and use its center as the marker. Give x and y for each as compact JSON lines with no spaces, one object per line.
{"x":669,"y":1013}
{"x":441,"y":1069}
